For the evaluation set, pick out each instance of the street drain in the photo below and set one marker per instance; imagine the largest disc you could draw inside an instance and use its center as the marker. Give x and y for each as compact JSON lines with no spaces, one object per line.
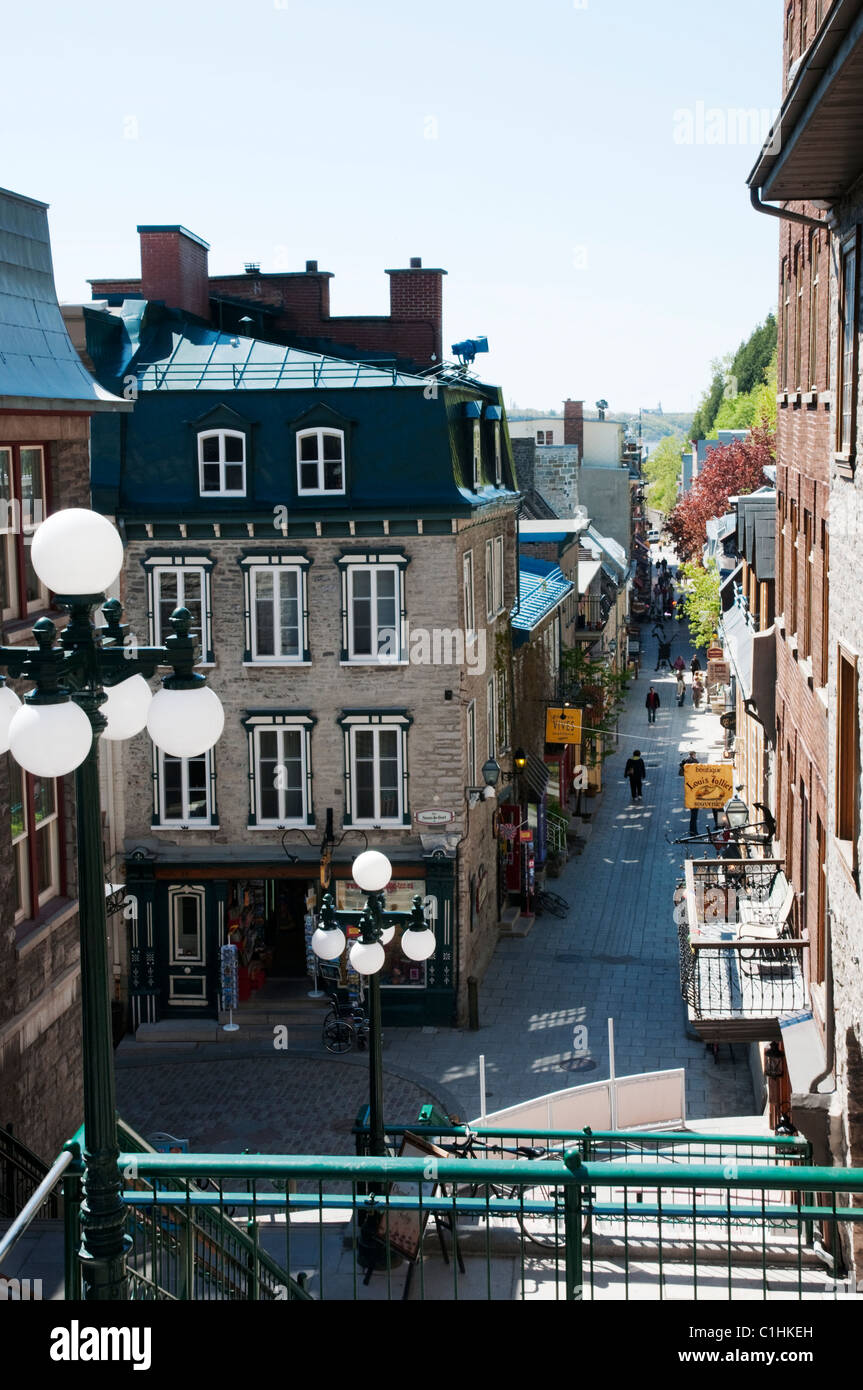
{"x":616,"y":960}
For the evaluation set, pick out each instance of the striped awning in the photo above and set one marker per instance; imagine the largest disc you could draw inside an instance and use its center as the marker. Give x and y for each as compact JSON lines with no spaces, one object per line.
{"x":537,"y":776}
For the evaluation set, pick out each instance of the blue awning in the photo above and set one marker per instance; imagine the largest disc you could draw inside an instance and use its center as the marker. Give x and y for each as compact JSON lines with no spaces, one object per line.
{"x":542,"y":587}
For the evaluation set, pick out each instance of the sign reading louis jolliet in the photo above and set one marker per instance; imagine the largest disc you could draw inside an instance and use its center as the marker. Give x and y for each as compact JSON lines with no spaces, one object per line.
{"x":707,"y":785}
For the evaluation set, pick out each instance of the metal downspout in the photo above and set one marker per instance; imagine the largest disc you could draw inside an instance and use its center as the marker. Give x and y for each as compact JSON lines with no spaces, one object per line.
{"x":784,"y":213}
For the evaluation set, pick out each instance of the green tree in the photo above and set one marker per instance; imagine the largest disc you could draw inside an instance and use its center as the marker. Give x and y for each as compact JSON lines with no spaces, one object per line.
{"x":702,"y":603}
{"x":662,"y":470}
{"x":726,"y":403}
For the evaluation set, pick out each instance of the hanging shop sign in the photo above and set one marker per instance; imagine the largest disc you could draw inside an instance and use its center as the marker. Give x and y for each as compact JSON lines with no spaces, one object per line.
{"x":718,"y":672}
{"x":562,"y":725}
{"x":707,"y":785}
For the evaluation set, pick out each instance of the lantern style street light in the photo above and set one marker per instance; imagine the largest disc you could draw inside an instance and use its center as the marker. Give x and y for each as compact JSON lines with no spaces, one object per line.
{"x":93,"y":684}
{"x":372,"y":872}
{"x":737,"y":812}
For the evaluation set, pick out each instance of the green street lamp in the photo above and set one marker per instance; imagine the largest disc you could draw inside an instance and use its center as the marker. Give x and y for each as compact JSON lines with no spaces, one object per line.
{"x":372,"y":872}
{"x":94,"y":685}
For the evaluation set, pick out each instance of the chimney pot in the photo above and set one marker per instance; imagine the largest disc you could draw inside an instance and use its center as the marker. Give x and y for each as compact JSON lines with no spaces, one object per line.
{"x":252,"y":267}
{"x":311,"y":267}
{"x":416,"y":262}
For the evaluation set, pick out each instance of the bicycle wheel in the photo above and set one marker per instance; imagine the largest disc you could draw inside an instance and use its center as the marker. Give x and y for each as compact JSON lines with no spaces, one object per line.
{"x":338,"y":1036}
{"x":544,"y":1231}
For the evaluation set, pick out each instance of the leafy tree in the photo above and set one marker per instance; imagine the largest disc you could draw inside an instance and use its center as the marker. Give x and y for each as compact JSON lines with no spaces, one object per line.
{"x":702,"y":603}
{"x":604,"y":690}
{"x":662,"y":470}
{"x":734,"y":376}
{"x":730,"y":470}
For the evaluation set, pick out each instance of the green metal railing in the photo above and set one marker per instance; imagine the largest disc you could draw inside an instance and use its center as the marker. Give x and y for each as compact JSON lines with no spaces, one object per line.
{"x":561,"y":1227}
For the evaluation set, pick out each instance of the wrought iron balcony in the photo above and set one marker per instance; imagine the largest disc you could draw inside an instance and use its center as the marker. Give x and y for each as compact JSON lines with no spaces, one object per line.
{"x":741,"y":966}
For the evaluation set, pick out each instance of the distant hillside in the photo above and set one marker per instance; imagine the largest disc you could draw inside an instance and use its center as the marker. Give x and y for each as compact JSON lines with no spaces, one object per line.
{"x":653,"y":425}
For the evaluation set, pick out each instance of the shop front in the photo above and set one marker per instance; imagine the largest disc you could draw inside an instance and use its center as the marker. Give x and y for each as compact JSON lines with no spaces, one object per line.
{"x":184,"y":913}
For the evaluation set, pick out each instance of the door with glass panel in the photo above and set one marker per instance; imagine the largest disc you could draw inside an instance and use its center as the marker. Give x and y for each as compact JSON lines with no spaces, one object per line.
{"x":186,"y":951}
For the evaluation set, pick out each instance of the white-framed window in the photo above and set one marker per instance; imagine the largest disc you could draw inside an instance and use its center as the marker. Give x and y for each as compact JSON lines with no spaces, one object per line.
{"x":467,"y":594}
{"x":35,"y":833}
{"x":280,"y":769}
{"x":498,"y":455}
{"x":471,"y":743}
{"x":22,"y":509}
{"x":180,"y":581}
{"x":477,"y":454}
{"x":376,"y":768}
{"x":490,"y":608}
{"x":276,"y":608}
{"x":184,"y":791}
{"x":491,"y":718}
{"x":502,"y":710}
{"x":494,"y":577}
{"x":373,"y":608}
{"x":320,"y":461}
{"x":222,"y":463}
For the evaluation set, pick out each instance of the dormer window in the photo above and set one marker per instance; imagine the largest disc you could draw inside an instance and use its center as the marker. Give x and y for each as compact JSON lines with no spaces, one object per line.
{"x":320,"y":462}
{"x":222,"y":463}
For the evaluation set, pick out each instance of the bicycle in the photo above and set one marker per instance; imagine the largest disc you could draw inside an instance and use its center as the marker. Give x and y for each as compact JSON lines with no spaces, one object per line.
{"x":552,"y":902}
{"x":543,"y":1229}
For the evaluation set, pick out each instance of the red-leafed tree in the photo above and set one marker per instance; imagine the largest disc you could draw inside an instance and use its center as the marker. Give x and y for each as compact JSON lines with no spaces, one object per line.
{"x":729,"y":471}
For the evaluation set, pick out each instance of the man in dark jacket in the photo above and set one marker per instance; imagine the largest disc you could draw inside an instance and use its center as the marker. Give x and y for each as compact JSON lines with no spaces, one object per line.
{"x":637,"y":773}
{"x":651,"y":703}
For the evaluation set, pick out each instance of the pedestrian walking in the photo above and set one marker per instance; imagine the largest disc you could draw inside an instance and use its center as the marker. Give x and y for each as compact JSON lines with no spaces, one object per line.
{"x":681,"y":689}
{"x":663,"y":655}
{"x":637,"y":773}
{"x":697,"y":690}
{"x":652,"y":703}
{"x":691,"y":757}
{"x":679,"y":665}
{"x":694,"y":665}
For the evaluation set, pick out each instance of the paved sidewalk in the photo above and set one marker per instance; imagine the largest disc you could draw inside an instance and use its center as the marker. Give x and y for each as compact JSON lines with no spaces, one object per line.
{"x":616,"y":954}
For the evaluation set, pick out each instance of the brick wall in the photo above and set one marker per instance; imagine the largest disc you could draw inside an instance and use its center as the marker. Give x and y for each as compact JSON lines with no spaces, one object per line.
{"x":174,"y":269}
{"x":40,"y":1017}
{"x":573,"y":425}
{"x":804,"y":451}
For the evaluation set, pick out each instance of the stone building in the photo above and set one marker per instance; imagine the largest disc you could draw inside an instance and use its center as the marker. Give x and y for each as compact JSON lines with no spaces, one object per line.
{"x":46,"y":401}
{"x":815,"y":172}
{"x":344,"y":536}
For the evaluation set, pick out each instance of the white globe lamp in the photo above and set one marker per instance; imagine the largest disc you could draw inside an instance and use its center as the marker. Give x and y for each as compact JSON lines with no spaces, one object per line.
{"x":77,"y":551}
{"x":328,"y":942}
{"x":9,"y":706}
{"x":372,"y":871}
{"x":367,"y":957}
{"x":50,"y":740}
{"x":418,"y":945}
{"x":126,"y":708}
{"x":387,"y":935}
{"x":185,"y":723}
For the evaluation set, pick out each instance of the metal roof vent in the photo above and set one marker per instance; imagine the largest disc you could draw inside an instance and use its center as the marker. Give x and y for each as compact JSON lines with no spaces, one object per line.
{"x":253,"y":267}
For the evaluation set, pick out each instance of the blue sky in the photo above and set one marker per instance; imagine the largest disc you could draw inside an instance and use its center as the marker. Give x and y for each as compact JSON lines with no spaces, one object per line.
{"x":537,"y":152}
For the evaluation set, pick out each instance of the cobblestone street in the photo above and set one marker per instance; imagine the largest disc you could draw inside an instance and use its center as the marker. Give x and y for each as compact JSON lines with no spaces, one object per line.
{"x":614,"y":956}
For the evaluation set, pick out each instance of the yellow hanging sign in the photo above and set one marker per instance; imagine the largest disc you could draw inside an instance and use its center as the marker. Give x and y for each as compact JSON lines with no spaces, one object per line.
{"x":708,"y":785}
{"x":563,"y":725}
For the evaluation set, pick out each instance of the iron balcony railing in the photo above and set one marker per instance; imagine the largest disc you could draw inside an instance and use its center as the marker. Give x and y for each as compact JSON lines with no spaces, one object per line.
{"x":435,"y":1226}
{"x":467,"y":1214}
{"x":741,"y":964}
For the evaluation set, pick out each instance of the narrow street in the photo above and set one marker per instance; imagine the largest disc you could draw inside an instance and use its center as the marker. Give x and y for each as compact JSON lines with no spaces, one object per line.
{"x":615,"y":956}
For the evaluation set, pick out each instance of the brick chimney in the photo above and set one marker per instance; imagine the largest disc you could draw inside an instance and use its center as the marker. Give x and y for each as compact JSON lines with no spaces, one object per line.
{"x":174,"y":269}
{"x":417,"y":293}
{"x":573,"y":425}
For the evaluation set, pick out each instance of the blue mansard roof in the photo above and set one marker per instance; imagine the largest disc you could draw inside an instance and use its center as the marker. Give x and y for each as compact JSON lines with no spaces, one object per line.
{"x":408,"y":439}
